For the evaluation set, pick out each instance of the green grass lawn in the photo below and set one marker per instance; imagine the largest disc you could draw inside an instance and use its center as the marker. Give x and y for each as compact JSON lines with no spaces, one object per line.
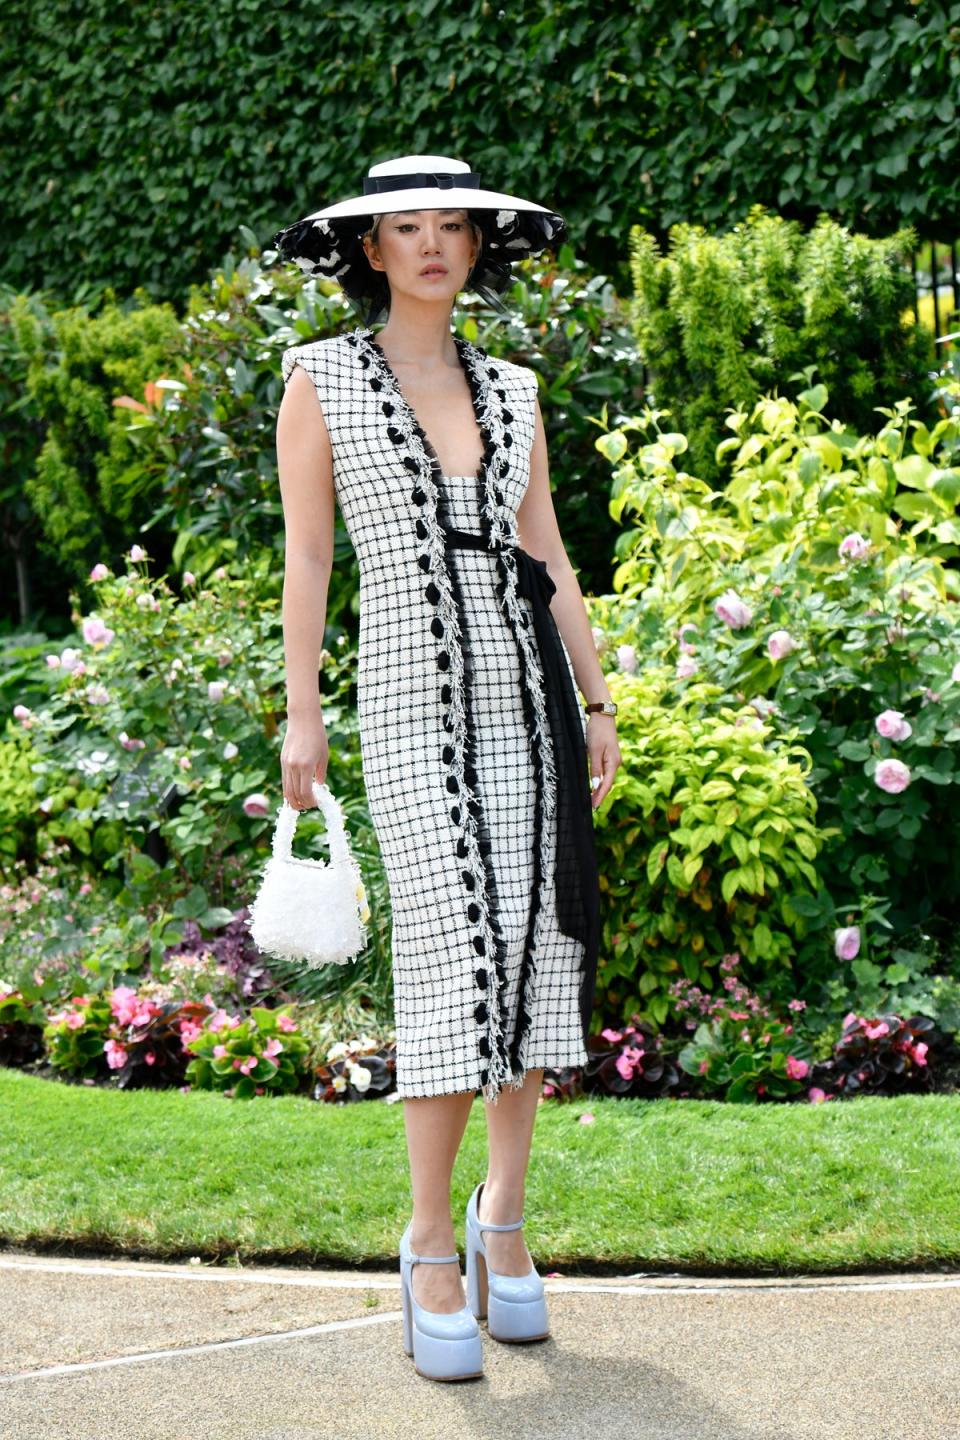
{"x":692,"y":1185}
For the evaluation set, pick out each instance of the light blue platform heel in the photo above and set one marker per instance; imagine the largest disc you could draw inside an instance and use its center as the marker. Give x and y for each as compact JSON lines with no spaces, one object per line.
{"x":515,"y":1305}
{"x":444,"y":1346}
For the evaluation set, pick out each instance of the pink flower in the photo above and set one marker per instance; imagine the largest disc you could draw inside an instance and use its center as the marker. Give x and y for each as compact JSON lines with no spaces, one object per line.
{"x":76,"y":1020}
{"x":95,"y":632}
{"x":22,"y":712}
{"x":136,"y":552}
{"x":779,"y":644}
{"x":98,"y":694}
{"x":215,"y":690}
{"x":85,"y":888}
{"x":189,"y":578}
{"x":123,"y":1003}
{"x":53,"y":662}
{"x":273,"y":1047}
{"x":853,"y":546}
{"x":150,"y":1058}
{"x":247,"y":1065}
{"x":627,"y":659}
{"x":850,"y":1019}
{"x":732,"y":610}
{"x":256,"y":805}
{"x":612,"y":1035}
{"x":129,"y":743}
{"x":686,"y":666}
{"x":99,"y":571}
{"x":892,"y":725}
{"x":219,"y":1052}
{"x":70,"y":661}
{"x":286,"y":1023}
{"x":846,"y":942}
{"x":796,"y":1069}
{"x":185,"y":762}
{"x":919,"y":1053}
{"x":189,"y":1031}
{"x":115,"y":1053}
{"x":816,"y":1096}
{"x":892,"y":776}
{"x":587,"y":1118}
{"x":874,"y":1029}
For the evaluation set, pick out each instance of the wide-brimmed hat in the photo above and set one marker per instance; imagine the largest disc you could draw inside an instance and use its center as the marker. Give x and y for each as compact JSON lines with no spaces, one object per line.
{"x":329,"y":242}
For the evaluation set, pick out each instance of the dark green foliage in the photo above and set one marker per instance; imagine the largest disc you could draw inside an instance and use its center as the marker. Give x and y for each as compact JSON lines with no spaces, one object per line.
{"x":144,"y":136}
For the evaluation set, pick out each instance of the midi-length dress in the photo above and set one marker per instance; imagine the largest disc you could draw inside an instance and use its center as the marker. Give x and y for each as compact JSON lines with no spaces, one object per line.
{"x":458,"y":758}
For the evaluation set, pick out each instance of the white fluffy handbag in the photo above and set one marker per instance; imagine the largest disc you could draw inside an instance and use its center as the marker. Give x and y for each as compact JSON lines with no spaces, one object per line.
{"x":308,"y":910}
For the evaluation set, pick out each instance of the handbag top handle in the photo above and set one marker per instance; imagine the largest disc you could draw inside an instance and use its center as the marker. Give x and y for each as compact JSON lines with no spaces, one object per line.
{"x":287,"y":823}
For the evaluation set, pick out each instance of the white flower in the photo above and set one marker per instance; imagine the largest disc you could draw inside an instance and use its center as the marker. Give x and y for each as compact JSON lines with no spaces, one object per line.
{"x":360,"y":1077}
{"x":339,"y":1082}
{"x":336,"y":1052}
{"x":686,"y":666}
{"x":215,"y":690}
{"x":143,"y":600}
{"x":230,"y":750}
{"x":136,"y":552}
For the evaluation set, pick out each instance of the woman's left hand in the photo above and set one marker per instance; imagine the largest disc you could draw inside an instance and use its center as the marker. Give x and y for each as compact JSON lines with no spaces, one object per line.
{"x":603,"y":752}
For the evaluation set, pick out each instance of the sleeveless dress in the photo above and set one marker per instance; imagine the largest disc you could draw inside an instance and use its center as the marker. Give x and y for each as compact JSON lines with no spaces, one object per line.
{"x":457,"y":756}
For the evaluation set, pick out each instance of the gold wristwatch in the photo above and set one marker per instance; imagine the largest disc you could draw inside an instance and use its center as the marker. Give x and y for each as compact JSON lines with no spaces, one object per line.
{"x":602,"y":707}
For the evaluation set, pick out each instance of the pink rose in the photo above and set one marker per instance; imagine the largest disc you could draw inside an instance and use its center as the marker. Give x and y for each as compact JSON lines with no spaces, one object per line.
{"x":627,"y":659}
{"x":853,"y":546}
{"x":892,"y":725}
{"x":95,"y":632}
{"x":892,"y":776}
{"x":846,"y":942}
{"x":732,"y":610}
{"x":256,"y":805}
{"x":780,"y":643}
{"x":99,"y":571}
{"x":137,"y":552}
{"x":686,"y":666}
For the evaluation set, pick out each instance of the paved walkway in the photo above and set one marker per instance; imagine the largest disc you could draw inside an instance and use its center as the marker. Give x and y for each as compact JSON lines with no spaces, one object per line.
{"x":124,"y":1350}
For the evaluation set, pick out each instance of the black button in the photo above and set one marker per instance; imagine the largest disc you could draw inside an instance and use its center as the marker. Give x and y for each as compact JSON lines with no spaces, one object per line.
{"x":473,"y":911}
{"x":494,"y":374}
{"x":395,"y":435}
{"x":507,"y":438}
{"x":479,"y":944}
{"x":480,"y":1012}
{"x":433,"y":595}
{"x":411,"y":464}
{"x":455,"y":814}
{"x":481,"y":978}
{"x":507,"y":416}
{"x":483,"y":1045}
{"x":462,"y":852}
{"x":447,"y":754}
{"x":387,"y":407}
{"x":424,"y":562}
{"x":376,"y":384}
{"x":436,"y":625}
{"x":446,"y":694}
{"x":453,"y":784}
{"x":443,"y":660}
{"x":468,"y":879}
{"x":418,"y":496}
{"x":484,"y":1076}
{"x":421,"y":529}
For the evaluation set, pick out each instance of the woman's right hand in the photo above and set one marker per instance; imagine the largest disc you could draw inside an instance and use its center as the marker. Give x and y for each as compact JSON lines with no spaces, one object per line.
{"x":303,"y":758}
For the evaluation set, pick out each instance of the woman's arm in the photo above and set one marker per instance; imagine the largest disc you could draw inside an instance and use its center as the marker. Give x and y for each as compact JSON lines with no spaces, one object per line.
{"x":305,"y":467}
{"x":540,"y":535}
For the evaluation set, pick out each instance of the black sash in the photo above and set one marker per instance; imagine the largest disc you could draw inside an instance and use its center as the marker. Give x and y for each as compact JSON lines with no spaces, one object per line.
{"x":576,"y":881}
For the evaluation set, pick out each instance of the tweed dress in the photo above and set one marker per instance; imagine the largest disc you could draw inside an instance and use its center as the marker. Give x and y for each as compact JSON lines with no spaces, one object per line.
{"x":457,"y":758}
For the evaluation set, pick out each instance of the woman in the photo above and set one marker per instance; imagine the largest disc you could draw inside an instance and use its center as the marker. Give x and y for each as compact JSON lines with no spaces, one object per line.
{"x":474,"y":745}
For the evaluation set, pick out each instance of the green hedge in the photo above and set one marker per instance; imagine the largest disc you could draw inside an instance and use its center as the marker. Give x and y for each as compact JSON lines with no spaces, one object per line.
{"x":145,"y":136}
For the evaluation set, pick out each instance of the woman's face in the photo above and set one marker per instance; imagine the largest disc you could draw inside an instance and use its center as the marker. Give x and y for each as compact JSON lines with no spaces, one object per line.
{"x":426,"y":254}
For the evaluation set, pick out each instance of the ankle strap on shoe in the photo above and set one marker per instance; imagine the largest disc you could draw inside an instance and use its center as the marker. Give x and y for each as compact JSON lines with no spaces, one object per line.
{"x":433,"y":1259}
{"x":486,"y":1225}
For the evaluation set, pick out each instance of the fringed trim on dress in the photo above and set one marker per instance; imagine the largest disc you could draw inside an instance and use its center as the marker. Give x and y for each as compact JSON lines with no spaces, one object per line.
{"x":448,"y":625}
{"x":499,"y":528}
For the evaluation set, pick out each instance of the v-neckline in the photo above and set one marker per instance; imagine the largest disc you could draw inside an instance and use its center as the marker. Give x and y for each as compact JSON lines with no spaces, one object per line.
{"x":412,"y":414}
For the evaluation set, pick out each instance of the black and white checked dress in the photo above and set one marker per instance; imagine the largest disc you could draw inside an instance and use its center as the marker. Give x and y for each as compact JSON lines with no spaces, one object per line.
{"x":456,"y":751}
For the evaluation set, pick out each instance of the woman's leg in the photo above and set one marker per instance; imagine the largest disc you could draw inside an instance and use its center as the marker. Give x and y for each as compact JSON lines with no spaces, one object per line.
{"x":509,"y":1134}
{"x":435,"y":1126}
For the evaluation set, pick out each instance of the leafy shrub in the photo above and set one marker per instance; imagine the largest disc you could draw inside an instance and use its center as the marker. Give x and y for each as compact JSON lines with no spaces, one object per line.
{"x":361,"y":1068}
{"x":723,"y":318}
{"x":256,"y":1055}
{"x":817,"y":587}
{"x":704,"y":841}
{"x":882,"y":1054}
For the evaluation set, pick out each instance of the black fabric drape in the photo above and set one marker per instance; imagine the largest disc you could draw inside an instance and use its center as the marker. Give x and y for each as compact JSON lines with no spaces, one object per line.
{"x":576,"y":880}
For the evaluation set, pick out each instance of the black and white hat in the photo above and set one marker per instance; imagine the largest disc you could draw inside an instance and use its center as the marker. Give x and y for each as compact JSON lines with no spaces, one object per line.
{"x":329,"y":241}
